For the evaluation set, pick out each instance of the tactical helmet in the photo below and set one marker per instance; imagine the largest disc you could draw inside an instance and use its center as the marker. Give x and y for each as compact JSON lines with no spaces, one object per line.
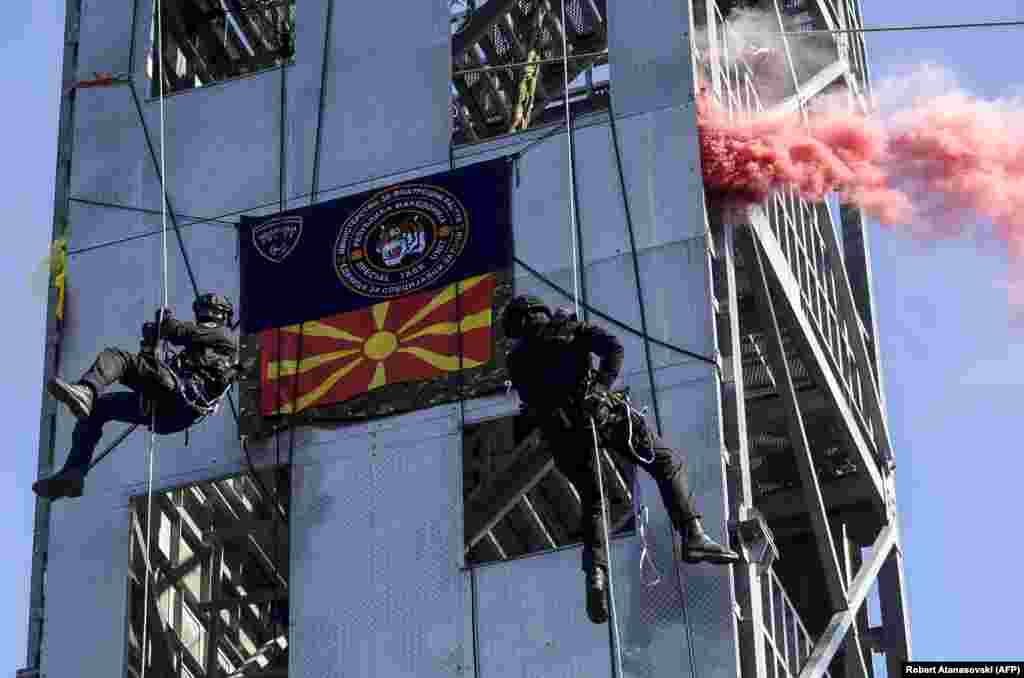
{"x":517,"y":312}
{"x":213,"y":308}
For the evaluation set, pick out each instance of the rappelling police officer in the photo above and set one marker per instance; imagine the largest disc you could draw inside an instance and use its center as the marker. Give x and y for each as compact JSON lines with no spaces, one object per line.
{"x":181,"y":390}
{"x":550,"y":367}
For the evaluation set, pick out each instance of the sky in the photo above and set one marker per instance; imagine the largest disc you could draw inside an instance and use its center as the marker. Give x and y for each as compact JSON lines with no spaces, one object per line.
{"x":953,"y":365}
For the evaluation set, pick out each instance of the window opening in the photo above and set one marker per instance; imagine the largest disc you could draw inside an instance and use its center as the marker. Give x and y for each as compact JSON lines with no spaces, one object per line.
{"x":218,"y":596}
{"x":497,"y":88}
{"x":208,"y":41}
{"x":517,"y":503}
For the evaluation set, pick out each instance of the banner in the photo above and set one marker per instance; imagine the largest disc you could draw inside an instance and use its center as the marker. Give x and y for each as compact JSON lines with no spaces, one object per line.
{"x":380,"y":302}
{"x":357,"y":251}
{"x":413,"y":338}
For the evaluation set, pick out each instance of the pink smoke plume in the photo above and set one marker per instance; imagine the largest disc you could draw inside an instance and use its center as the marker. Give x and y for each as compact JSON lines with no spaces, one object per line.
{"x":936,"y":168}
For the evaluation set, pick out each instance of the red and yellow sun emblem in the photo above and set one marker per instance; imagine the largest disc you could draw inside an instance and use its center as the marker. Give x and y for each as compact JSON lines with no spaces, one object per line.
{"x":412,"y":338}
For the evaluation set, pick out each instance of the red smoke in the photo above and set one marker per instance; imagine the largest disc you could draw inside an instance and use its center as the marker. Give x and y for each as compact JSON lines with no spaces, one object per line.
{"x":936,"y":168}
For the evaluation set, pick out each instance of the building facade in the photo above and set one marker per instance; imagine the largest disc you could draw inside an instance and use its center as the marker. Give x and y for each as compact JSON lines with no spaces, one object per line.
{"x":365,"y":548}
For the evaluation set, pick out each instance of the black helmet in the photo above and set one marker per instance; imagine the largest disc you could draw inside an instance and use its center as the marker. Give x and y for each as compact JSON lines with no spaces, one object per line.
{"x":213,"y":308}
{"x":518,"y":310}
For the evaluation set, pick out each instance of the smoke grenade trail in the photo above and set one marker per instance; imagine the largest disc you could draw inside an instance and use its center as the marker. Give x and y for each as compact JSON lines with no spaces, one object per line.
{"x":933,"y":164}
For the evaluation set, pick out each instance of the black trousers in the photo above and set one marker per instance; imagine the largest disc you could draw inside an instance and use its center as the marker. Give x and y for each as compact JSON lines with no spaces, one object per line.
{"x":147,"y":378}
{"x":573,"y":450}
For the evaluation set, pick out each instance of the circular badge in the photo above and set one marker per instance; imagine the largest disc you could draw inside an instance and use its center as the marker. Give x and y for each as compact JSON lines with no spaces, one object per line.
{"x":401,"y":240}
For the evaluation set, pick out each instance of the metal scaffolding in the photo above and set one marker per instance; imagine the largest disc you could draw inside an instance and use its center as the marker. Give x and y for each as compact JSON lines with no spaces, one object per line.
{"x":218,"y":599}
{"x":805,"y":422}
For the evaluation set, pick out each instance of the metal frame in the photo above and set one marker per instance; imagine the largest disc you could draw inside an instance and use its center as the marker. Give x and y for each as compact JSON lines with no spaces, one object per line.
{"x":222,"y":551}
{"x":808,"y":322}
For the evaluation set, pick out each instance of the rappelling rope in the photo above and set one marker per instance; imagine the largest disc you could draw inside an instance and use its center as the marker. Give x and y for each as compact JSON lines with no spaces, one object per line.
{"x":151,"y":456}
{"x":612,"y":617}
{"x":572,"y":166}
{"x":574,"y":253}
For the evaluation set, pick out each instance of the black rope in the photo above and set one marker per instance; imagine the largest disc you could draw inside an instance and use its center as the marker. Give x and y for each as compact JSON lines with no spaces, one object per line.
{"x":318,"y":140}
{"x":573,"y":186}
{"x":144,"y":210}
{"x":636,"y":264}
{"x":632,"y":330}
{"x":192,"y":221}
{"x":110,"y":448}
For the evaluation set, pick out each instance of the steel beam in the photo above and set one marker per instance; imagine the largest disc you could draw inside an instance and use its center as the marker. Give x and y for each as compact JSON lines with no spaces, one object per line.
{"x":855,"y":328}
{"x":895,"y":612}
{"x":817,"y":362}
{"x":832,"y":637}
{"x":533,"y":462}
{"x":837,"y":495}
{"x":479,"y":24}
{"x":811,"y":88}
{"x":805,"y":464}
{"x":753,"y":660}
{"x":853,"y":663}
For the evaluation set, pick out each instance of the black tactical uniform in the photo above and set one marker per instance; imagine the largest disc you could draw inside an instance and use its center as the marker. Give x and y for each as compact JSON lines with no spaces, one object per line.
{"x":180,"y":391}
{"x":551,"y":370}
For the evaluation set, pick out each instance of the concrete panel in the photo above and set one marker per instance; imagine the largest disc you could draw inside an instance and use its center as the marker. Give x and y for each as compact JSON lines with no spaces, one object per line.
{"x":540,"y":204}
{"x":386,"y":105}
{"x":601,"y":211}
{"x":649,"y":55}
{"x":677,"y":298}
{"x":532,"y":620}
{"x":223,"y":144}
{"x":542,"y":224}
{"x":692,"y":426}
{"x":110,"y":163}
{"x":611,"y":289}
{"x":397,"y":599}
{"x":303,"y":94}
{"x":86,"y":588}
{"x":661,"y":164}
{"x":104,"y":37}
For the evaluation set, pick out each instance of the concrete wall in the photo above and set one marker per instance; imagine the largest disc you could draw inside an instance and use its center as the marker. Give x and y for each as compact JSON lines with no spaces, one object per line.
{"x":378,"y":584}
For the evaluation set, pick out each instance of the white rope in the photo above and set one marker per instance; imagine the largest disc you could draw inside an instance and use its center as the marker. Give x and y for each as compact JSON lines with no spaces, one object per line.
{"x":572,"y":180}
{"x":158,"y":55}
{"x":612,"y":616}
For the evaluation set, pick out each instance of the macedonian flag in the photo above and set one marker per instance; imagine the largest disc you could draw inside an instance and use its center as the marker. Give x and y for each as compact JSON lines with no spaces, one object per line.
{"x":412,"y":338}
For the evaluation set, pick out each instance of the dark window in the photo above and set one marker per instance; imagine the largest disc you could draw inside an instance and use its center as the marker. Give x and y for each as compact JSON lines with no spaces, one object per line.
{"x":208,"y":41}
{"x":515,"y":502}
{"x":489,"y":33}
{"x":218,"y":583}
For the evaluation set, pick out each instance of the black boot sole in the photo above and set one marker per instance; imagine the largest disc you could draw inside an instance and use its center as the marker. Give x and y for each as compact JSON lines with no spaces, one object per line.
{"x":597,"y":611}
{"x":58,"y":489}
{"x":62,"y":392}
{"x":713,"y":558}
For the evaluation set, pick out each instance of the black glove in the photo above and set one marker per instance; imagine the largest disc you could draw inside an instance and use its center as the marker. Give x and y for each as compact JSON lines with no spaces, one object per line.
{"x":163,"y":313}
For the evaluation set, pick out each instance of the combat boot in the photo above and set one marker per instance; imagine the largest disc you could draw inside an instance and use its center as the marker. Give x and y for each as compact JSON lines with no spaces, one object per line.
{"x":597,"y":594}
{"x":78,"y":397}
{"x":699,"y":547}
{"x":67,"y":482}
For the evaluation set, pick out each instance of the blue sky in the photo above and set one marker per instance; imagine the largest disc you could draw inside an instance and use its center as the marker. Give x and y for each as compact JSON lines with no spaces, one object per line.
{"x":954,"y":368}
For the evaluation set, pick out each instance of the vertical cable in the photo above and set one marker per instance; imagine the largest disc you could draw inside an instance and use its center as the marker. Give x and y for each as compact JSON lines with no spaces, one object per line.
{"x":613,"y":622}
{"x":158,"y":55}
{"x":572,"y":180}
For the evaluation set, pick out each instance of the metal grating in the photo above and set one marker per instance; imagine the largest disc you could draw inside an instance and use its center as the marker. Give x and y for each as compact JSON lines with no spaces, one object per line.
{"x":520,"y":97}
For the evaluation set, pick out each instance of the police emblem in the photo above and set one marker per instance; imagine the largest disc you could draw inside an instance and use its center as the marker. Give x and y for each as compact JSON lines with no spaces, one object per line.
{"x":276,"y":238}
{"x":401,"y":240}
